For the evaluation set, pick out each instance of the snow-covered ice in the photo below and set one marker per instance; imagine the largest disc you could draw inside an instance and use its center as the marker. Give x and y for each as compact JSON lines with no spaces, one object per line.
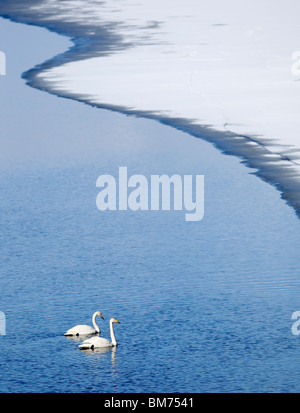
{"x":228,"y":66}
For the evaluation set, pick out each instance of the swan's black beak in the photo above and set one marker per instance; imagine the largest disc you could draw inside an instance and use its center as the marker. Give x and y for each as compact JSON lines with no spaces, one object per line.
{"x":102,"y":317}
{"x":118,"y":321}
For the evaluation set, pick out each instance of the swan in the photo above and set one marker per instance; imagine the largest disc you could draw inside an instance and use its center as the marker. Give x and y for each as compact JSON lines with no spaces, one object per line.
{"x":83,"y":329}
{"x":100,"y":342}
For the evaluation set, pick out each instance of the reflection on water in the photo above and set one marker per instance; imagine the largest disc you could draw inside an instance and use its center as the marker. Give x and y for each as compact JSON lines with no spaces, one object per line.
{"x":74,"y":338}
{"x":100,"y":356}
{"x":80,"y":338}
{"x":96,"y":352}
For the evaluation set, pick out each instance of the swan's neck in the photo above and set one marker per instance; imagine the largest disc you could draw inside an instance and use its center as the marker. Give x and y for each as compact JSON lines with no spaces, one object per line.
{"x":112,"y":334}
{"x":95,"y":324}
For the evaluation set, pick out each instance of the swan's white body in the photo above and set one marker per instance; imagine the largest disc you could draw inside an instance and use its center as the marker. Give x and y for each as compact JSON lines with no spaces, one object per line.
{"x":100,"y":342}
{"x":83,"y":329}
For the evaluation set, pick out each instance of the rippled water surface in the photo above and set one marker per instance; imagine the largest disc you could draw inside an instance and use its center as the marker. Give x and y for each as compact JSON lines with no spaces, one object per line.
{"x":204,"y":306}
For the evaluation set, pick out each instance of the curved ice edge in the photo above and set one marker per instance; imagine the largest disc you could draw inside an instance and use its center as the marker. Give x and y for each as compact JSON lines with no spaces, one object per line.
{"x":267,"y":165}
{"x":271,"y":167}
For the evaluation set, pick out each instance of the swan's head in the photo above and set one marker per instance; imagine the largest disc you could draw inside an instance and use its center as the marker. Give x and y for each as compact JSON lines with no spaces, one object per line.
{"x":99,"y":314}
{"x":114,"y":320}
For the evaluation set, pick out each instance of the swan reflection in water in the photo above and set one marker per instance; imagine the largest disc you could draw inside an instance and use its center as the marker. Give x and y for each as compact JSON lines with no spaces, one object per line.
{"x":96,"y":352}
{"x":100,"y":354}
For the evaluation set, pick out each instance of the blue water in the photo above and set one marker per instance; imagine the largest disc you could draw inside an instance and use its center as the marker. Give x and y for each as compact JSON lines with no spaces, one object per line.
{"x":204,"y":306}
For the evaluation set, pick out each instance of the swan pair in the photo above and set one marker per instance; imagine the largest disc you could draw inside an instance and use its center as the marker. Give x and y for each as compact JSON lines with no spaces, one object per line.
{"x":94,"y":342}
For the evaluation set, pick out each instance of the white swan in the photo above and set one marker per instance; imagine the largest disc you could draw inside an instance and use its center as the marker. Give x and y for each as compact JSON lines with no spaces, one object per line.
{"x":100,"y":342}
{"x":83,"y":330}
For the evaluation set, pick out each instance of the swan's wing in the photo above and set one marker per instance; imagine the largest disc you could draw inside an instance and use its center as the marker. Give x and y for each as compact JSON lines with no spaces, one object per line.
{"x":95,"y":342}
{"x":81,"y":329}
